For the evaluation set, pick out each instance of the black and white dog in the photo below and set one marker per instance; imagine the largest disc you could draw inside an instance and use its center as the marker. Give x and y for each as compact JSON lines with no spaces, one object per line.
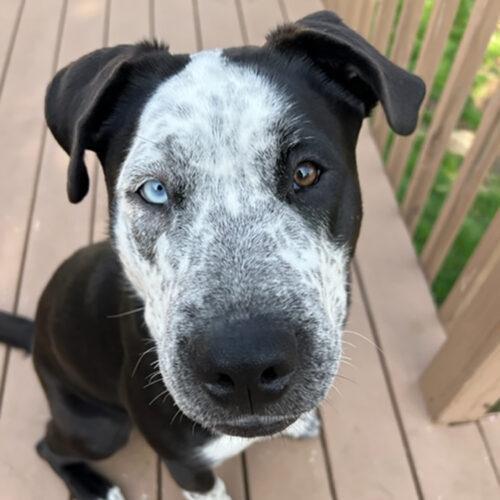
{"x":234,"y":212}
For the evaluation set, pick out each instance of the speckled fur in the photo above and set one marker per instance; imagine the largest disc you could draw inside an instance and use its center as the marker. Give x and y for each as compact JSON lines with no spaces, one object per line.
{"x":227,"y":246}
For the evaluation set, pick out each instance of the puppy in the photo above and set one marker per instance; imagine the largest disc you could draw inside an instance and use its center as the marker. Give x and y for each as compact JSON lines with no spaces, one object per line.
{"x":234,"y":210}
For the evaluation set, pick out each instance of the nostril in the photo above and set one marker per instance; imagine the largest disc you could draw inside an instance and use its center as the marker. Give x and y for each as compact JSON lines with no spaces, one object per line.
{"x":221,"y":386}
{"x":225,"y":381}
{"x":268,"y":376}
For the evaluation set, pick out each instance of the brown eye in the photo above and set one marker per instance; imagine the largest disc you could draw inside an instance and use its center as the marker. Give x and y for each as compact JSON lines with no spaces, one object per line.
{"x":306,"y":175}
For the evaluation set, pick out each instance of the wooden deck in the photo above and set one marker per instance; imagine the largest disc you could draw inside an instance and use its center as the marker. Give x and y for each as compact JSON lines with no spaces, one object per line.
{"x":378,"y":442}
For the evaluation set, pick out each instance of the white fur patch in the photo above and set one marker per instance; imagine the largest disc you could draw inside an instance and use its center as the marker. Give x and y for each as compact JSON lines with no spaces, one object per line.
{"x":306,"y":427}
{"x":115,"y":493}
{"x":218,"y":492}
{"x":224,"y":447}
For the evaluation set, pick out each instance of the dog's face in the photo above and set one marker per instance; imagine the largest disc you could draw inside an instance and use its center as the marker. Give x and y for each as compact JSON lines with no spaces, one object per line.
{"x":235,"y":208}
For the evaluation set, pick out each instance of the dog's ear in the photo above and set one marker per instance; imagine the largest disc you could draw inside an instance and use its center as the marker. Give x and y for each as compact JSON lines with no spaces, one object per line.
{"x":347,"y":58}
{"x":80,"y":98}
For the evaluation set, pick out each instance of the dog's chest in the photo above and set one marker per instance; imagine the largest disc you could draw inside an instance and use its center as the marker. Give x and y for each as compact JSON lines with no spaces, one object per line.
{"x":224,"y":447}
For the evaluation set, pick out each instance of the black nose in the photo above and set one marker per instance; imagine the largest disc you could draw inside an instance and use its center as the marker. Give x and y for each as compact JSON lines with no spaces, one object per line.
{"x":246,"y":363}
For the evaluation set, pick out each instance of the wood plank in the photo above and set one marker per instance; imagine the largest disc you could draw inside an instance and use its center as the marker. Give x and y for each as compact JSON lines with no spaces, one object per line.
{"x":21,"y":129}
{"x":21,"y":126}
{"x":463,"y":381}
{"x":400,"y":55}
{"x":360,"y":422}
{"x":282,"y":468}
{"x":366,"y":18}
{"x":10,"y":16}
{"x":476,"y":165}
{"x":451,"y":462}
{"x":470,"y":54}
{"x":383,"y":27}
{"x":9,"y":21}
{"x":472,"y":278}
{"x":219,"y":24}
{"x":168,"y":16}
{"x":490,"y":426}
{"x":436,"y":37}
{"x":260,"y":17}
{"x":297,"y":9}
{"x":24,"y":474}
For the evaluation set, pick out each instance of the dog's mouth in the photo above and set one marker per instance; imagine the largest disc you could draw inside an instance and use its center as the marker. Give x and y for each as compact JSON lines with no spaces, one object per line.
{"x":255,"y":426}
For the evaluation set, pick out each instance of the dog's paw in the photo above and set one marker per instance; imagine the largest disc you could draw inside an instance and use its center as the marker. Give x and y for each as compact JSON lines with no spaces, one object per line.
{"x":306,"y":427}
{"x":218,"y":492}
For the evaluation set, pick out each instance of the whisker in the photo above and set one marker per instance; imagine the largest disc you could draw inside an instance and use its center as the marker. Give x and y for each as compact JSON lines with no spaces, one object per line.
{"x":348,"y":363}
{"x":140,"y":359}
{"x":370,"y":341}
{"x":152,"y":382}
{"x":337,"y":390}
{"x":343,"y":377}
{"x":350,"y":344}
{"x":175,"y":416}
{"x":126,"y":313}
{"x":158,"y":396}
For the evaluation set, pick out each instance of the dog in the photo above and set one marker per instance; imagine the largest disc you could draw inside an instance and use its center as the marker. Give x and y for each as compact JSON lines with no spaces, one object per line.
{"x":234,"y":208}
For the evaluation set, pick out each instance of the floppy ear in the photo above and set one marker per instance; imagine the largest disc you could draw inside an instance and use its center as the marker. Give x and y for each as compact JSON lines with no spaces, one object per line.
{"x":80,"y":98}
{"x":344,"y":56}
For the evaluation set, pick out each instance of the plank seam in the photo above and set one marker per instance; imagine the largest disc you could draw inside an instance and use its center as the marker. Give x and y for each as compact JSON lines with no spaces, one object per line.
{"x":489,"y":453}
{"x":388,"y":381}
{"x":241,"y":21}
{"x":197,"y":25}
{"x":284,"y":11}
{"x":328,"y":461}
{"x":159,"y":481}
{"x":151,"y":18}
{"x":10,"y":47}
{"x":246,"y":481}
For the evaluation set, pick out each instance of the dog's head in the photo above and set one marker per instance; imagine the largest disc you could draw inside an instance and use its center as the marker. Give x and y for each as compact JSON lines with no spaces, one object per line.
{"x":235,"y":204}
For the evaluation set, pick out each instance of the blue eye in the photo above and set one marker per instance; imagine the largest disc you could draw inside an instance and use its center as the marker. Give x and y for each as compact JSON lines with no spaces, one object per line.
{"x":154,"y":192}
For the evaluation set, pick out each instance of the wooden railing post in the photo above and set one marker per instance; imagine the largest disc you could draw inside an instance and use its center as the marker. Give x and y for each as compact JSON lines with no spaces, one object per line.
{"x":400,"y":54}
{"x":463,"y":380}
{"x":435,"y":39}
{"x":473,"y":171}
{"x":481,"y":24}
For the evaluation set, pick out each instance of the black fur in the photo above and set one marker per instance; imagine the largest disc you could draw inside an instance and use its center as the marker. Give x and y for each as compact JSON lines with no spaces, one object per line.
{"x":17,"y":331}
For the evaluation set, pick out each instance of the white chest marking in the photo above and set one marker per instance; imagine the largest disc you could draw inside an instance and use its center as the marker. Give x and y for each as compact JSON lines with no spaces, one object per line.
{"x":225,"y":447}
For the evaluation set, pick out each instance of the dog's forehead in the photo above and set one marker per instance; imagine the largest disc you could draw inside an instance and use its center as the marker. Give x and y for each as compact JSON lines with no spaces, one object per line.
{"x":215,"y":114}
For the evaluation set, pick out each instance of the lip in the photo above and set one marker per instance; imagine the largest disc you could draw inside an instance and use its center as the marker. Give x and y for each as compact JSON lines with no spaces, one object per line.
{"x":255,"y":428}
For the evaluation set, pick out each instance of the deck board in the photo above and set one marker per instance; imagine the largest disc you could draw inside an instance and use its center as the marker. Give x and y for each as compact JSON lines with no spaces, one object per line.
{"x":45,"y":251}
{"x":9,"y":14}
{"x":360,"y":422}
{"x":490,"y":426}
{"x":449,"y":462}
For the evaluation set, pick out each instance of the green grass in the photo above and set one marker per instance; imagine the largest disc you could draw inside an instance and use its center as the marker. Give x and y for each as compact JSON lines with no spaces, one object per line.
{"x":488,"y":199}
